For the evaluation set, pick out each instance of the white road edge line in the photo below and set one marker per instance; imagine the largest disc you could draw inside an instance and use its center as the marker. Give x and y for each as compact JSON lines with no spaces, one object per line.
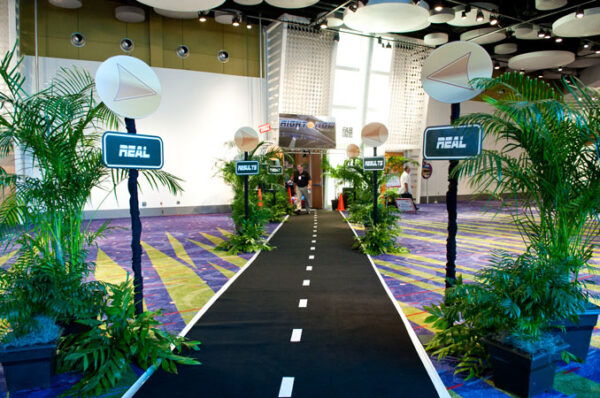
{"x":287,"y":385}
{"x":296,"y":336}
{"x":146,"y":375}
{"x":302,"y":303}
{"x":433,"y":374}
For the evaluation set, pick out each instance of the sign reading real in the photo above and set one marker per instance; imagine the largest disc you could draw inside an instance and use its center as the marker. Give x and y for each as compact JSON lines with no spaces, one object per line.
{"x":449,"y":142}
{"x":246,"y":167}
{"x":132,"y":151}
{"x":374,"y":163}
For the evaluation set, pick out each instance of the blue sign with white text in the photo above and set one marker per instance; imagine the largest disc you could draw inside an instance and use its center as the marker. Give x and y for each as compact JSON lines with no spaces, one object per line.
{"x":132,"y":151}
{"x":452,"y":143}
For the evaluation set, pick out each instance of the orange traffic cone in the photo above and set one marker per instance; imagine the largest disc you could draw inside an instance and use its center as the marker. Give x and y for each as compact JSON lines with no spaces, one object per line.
{"x":341,"y":203}
{"x":260,"y":203}
{"x":290,"y":195}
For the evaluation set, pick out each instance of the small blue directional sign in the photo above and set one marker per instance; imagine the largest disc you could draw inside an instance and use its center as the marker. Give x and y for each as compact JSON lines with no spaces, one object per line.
{"x":374,"y":163}
{"x":275,"y":170}
{"x":246,"y":167}
{"x":451,"y":143}
{"x":132,"y":151}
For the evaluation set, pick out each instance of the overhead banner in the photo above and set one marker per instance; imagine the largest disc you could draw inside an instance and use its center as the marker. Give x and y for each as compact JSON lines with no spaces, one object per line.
{"x":132,"y":151}
{"x":306,"y":132}
{"x":452,"y":143}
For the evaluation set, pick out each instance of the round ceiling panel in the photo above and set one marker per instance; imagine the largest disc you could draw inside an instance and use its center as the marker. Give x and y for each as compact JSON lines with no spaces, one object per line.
{"x":545,"y":5}
{"x":246,"y":139}
{"x":292,"y":3}
{"x":176,"y":14}
{"x":66,"y":3}
{"x":435,"y":39}
{"x":470,"y":18}
{"x":444,"y":15}
{"x":248,"y":2}
{"x":184,"y":5}
{"x":334,"y":22}
{"x":374,"y":134}
{"x":571,"y":26}
{"x":541,"y":60}
{"x":484,"y":35}
{"x":388,"y":16}
{"x":224,"y":17}
{"x":130,"y":14}
{"x":584,"y":62}
{"x":505,"y":48}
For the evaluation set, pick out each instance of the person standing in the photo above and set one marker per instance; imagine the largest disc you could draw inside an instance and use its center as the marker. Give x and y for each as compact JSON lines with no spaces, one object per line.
{"x":405,"y":190}
{"x":303,"y":185}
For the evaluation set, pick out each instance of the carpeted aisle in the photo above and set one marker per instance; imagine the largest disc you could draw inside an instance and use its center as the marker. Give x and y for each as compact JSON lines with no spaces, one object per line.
{"x":349,"y":339}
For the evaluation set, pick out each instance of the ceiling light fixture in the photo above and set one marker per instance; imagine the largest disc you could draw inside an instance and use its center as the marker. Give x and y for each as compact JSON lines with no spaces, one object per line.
{"x":439,"y":6}
{"x":248,"y":25}
{"x":548,"y":35}
{"x":323,"y":24}
{"x":493,"y":20}
{"x":586,"y":45}
{"x":558,"y":39}
{"x":597,"y":51}
{"x":560,"y":69}
{"x":235,"y":21}
{"x":579,"y":13}
{"x":496,"y":66}
{"x":479,"y":17}
{"x":379,"y":41}
{"x":541,"y":34}
{"x":202,"y":16}
{"x":354,"y":6}
{"x":463,"y":15}
{"x":540,"y":76}
{"x":388,"y":45}
{"x":521,"y":72}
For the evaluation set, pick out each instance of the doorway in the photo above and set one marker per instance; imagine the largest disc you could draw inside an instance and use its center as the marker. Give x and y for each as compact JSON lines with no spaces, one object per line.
{"x":313,"y":166}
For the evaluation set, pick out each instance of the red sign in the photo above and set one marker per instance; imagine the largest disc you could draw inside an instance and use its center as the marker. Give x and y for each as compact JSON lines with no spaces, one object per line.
{"x":264,"y":128}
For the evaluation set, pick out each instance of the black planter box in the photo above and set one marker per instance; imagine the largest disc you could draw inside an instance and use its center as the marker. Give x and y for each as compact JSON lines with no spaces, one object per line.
{"x":28,"y":367}
{"x":522,"y":374}
{"x":578,"y":335}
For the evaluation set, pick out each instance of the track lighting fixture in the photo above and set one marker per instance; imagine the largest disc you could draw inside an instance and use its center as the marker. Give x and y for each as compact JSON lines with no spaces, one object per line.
{"x":540,"y":76}
{"x":548,"y":35}
{"x":496,"y":66}
{"x":323,"y":24}
{"x":541,"y":33}
{"x":558,"y":39}
{"x":597,"y":51}
{"x":560,"y":69}
{"x":479,"y":17}
{"x":202,"y":16}
{"x":388,"y":45}
{"x":235,"y":21}
{"x":521,"y":72}
{"x":248,"y":25}
{"x":353,"y":6}
{"x":463,"y":15}
{"x":493,"y":20}
{"x":586,"y":45}
{"x":379,"y":41}
{"x":579,"y":13}
{"x":438,"y":6}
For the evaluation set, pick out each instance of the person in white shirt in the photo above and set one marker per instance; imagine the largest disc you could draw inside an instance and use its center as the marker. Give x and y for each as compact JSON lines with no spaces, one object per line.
{"x":405,"y":191}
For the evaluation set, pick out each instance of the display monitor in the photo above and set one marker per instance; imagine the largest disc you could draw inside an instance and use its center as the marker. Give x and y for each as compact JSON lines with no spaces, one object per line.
{"x":306,"y":132}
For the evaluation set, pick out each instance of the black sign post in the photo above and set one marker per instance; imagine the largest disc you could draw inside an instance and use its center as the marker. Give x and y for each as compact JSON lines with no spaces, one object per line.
{"x":374,"y":190}
{"x":136,"y":231}
{"x":452,"y":143}
{"x":246,"y":168}
{"x":133,"y":152}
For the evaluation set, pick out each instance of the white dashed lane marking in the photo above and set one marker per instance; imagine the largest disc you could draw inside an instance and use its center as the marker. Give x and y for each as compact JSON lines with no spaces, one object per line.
{"x":312,"y":248}
{"x":306,"y":282}
{"x":309,"y":268}
{"x":296,"y":335}
{"x":303,"y":303}
{"x":311,"y":257}
{"x":287,"y":385}
{"x":313,"y":241}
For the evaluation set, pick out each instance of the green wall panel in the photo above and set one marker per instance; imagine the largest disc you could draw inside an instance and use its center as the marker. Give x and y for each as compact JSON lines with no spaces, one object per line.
{"x":155,"y":40}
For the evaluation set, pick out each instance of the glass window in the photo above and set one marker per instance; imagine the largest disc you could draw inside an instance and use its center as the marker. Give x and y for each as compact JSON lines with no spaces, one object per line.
{"x":348,"y":88}
{"x":381,"y":60}
{"x":379,"y":92}
{"x":351,"y":50}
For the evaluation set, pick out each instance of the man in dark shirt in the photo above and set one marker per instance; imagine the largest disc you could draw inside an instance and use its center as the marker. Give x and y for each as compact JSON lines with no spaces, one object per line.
{"x":303,"y":187}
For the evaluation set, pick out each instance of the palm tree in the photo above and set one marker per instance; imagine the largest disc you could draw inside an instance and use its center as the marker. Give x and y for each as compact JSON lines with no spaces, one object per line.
{"x":549,"y":158}
{"x":58,"y":131}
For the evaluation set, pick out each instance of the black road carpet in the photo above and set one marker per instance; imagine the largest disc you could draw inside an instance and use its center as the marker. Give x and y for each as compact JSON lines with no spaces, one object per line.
{"x":353,"y":342}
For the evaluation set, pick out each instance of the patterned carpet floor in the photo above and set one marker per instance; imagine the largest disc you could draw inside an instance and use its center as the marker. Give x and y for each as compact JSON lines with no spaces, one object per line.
{"x":182,"y":271}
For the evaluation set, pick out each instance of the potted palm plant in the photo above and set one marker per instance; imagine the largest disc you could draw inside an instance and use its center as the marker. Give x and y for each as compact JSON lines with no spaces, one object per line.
{"x":549,"y":159}
{"x":41,"y":217}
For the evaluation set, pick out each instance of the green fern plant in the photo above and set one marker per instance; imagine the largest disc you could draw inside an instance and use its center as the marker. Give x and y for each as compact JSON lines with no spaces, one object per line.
{"x":115,"y":340}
